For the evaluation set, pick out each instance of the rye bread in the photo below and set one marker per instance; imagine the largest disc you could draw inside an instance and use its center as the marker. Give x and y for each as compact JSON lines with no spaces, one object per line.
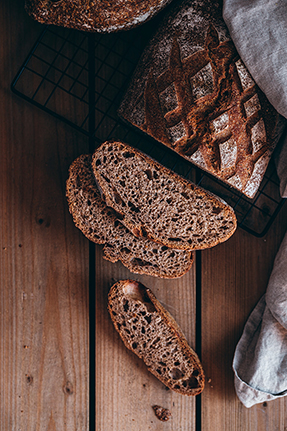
{"x":154,"y":202}
{"x":152,"y":334}
{"x":192,"y":92}
{"x":101,"y":225}
{"x":103,"y":16}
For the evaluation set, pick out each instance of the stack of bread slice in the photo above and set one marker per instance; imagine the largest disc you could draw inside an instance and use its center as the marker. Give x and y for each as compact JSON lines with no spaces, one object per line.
{"x":147,"y":216}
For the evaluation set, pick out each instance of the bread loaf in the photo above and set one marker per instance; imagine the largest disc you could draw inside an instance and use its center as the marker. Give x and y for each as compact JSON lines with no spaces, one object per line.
{"x":101,"y":225}
{"x":102,"y":16}
{"x":192,"y":93}
{"x":152,"y":334}
{"x":156,"y":203}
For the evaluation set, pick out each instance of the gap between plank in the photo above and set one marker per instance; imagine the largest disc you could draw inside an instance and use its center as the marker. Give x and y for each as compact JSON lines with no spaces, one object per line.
{"x":198,"y":332}
{"x":92,"y":248}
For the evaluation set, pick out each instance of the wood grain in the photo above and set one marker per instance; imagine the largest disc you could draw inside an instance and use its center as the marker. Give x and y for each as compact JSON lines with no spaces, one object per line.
{"x":44,"y":360}
{"x":44,"y":304}
{"x":125,"y":390}
{"x":234,"y":277}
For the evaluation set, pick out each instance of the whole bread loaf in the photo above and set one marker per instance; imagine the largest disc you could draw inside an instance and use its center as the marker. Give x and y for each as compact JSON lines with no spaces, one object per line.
{"x":152,"y":334}
{"x":103,"y":16}
{"x":192,"y":93}
{"x":101,"y":225}
{"x":154,"y":202}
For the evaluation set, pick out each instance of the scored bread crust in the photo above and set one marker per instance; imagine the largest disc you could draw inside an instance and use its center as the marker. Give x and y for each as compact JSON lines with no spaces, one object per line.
{"x":127,"y":186}
{"x":149,"y":330}
{"x":101,"y":225}
{"x":103,"y":16}
{"x":192,"y":92}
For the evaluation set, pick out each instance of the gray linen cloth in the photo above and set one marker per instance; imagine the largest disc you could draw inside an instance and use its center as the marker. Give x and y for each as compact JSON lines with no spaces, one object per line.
{"x":258,"y":29}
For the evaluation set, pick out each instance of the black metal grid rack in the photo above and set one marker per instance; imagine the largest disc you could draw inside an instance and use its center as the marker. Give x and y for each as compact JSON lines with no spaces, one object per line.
{"x":93,"y":69}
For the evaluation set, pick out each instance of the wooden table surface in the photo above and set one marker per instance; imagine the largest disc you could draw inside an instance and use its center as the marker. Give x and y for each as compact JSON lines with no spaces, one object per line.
{"x":59,"y":372}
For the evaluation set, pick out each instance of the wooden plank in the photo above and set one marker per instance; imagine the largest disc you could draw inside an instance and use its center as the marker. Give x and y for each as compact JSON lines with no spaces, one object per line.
{"x":234,"y":276}
{"x":44,"y":320}
{"x":125,"y":390}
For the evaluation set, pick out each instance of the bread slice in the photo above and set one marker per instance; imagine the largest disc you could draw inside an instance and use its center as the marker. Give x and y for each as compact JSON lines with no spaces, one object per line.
{"x":101,"y":225}
{"x":157,"y":203}
{"x":152,"y":334}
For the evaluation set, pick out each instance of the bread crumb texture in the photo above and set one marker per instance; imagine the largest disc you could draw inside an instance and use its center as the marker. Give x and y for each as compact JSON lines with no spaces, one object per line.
{"x":102,"y":225}
{"x":152,"y":334}
{"x":156,"y":203}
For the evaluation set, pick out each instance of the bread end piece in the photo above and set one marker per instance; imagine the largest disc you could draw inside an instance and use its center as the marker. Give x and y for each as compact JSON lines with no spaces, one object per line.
{"x":153,"y":335}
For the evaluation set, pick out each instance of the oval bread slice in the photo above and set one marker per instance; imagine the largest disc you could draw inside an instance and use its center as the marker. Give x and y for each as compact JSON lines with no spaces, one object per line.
{"x":152,"y":334}
{"x":157,"y":203}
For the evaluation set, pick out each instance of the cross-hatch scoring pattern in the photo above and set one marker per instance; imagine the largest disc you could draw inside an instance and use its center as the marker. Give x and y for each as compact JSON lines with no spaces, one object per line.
{"x":208,"y":109}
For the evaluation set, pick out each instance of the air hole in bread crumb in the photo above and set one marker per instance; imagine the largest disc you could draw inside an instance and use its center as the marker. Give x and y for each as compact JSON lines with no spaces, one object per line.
{"x":127,"y":154}
{"x":125,"y":250}
{"x":192,"y":383}
{"x":133,"y":207}
{"x":176,"y":373}
{"x":126,"y":305}
{"x":139,"y":262}
{"x":105,"y":178}
{"x":148,"y":318}
{"x":98,"y":162}
{"x":134,"y":345}
{"x":216,"y":210}
{"x":155,"y":175}
{"x":148,"y":173}
{"x":118,"y":199}
{"x":185,"y":195}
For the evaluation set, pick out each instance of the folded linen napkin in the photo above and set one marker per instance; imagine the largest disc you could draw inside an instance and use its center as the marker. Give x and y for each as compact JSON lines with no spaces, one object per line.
{"x":259,"y":31}
{"x":260,"y":360}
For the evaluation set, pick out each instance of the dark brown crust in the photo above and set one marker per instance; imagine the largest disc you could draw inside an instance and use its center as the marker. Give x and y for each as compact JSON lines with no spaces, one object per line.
{"x":141,"y":230}
{"x":173,"y":326}
{"x":79,"y":172}
{"x":184,"y":59}
{"x":98,"y":15}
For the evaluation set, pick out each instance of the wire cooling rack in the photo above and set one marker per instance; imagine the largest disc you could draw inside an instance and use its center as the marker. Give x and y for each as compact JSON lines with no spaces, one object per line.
{"x":67,"y":66}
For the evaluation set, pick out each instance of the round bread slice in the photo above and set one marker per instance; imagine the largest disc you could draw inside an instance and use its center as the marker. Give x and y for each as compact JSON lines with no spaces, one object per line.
{"x":157,"y":203}
{"x":153,"y":335}
{"x":101,"y":225}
